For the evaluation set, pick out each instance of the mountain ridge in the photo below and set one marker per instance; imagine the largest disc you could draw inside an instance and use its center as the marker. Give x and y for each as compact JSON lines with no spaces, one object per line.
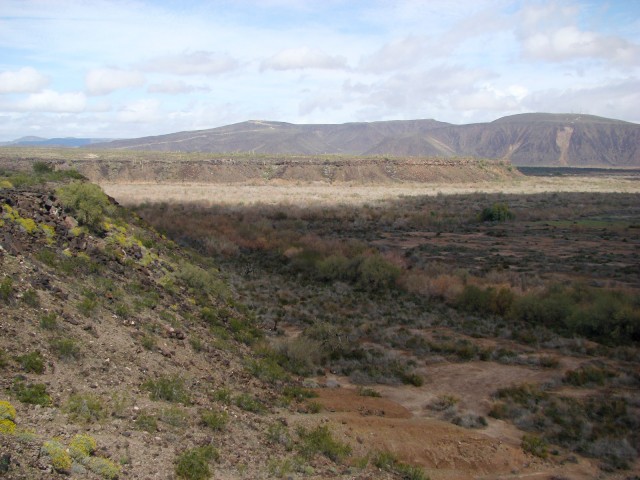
{"x":532,"y":139}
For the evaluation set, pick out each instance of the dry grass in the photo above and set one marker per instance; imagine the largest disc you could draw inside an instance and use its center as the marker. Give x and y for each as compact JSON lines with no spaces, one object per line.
{"x":327,"y":194}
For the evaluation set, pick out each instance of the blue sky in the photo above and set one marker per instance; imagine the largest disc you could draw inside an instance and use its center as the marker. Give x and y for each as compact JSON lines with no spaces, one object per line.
{"x":121,"y":68}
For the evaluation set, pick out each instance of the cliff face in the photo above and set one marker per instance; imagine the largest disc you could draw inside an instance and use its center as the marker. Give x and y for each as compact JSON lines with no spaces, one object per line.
{"x":527,"y":140}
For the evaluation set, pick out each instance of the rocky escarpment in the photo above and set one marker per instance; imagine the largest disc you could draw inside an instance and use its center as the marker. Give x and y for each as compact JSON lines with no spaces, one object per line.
{"x":143,"y":167}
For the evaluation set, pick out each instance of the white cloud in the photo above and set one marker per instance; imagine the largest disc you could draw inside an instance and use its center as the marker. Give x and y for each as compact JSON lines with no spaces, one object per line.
{"x":141,"y":111}
{"x":52,"y":101}
{"x":175,"y":87}
{"x":615,"y":99}
{"x":102,"y":81}
{"x":569,"y":42}
{"x":25,"y":80}
{"x":303,"y":58}
{"x":551,"y":32}
{"x":395,"y":55}
{"x":192,"y":63}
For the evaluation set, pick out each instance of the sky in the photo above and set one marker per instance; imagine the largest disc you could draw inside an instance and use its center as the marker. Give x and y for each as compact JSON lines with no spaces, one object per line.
{"x":125,"y":69}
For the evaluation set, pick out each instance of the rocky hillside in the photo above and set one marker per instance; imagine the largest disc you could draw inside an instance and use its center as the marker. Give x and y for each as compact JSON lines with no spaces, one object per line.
{"x":122,"y":356}
{"x":527,"y":139}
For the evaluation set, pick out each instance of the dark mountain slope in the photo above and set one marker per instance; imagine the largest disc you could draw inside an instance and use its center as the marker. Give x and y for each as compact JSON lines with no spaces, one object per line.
{"x":528,"y":139}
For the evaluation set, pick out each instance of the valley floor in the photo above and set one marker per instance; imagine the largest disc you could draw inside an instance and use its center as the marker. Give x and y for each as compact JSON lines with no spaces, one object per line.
{"x":354,"y":194}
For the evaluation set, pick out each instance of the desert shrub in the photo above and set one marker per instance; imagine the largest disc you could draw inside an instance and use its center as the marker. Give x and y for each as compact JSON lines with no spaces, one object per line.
{"x":301,"y":355}
{"x":88,"y":203}
{"x":294,"y":392}
{"x":201,"y":282}
{"x":389,"y":462}
{"x":535,"y":445}
{"x":589,"y":374}
{"x":412,"y":378}
{"x":60,"y":458}
{"x":171,"y":389}
{"x":498,"y":212}
{"x":321,"y":441}
{"x":103,"y":467}
{"x":443,"y":402}
{"x":595,"y":426}
{"x":147,"y":423}
{"x":4,"y":358}
{"x":474,"y":299}
{"x":174,"y":416}
{"x":31,"y":362}
{"x":148,"y":342}
{"x":34,"y":394}
{"x":193,"y":464}
{"x":469,"y":420}
{"x":610,"y":317}
{"x":215,"y":420}
{"x":277,"y":433}
{"x":266,"y":369}
{"x":7,"y":411}
{"x":368,"y":392}
{"x":85,"y":408}
{"x":41,"y":168}
{"x":6,"y":289}
{"x":81,"y":446}
{"x":249,"y":403}
{"x":375,"y":273}
{"x":30,"y":298}
{"x":222,"y":395}
{"x":65,"y":348}
{"x":49,"y":321}
{"x":87,"y":305}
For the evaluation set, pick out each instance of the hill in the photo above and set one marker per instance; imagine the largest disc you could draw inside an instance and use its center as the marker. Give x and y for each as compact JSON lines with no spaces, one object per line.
{"x":122,"y":356}
{"x":70,"y":142}
{"x":535,"y":139}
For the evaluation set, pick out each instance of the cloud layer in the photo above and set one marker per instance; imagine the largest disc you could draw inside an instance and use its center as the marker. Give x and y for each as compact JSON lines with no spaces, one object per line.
{"x":65,"y":71}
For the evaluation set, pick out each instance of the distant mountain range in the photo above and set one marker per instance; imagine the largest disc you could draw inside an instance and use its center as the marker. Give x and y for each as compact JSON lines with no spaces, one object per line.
{"x":53,"y":142}
{"x":532,"y":139}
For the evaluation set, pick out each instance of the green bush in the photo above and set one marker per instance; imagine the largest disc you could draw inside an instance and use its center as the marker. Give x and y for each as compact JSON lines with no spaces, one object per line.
{"x":214,"y":420}
{"x":193,"y":464}
{"x":589,"y":375}
{"x":320,"y":441}
{"x":145,"y":422}
{"x":48,"y":321}
{"x":535,"y":445}
{"x":170,"y":389}
{"x":30,"y":298}
{"x":31,"y":362}
{"x":389,"y":462}
{"x":87,"y":202}
{"x":6,"y":289}
{"x":498,"y":212}
{"x":249,"y":403}
{"x":34,"y":394}
{"x":375,"y":273}
{"x":174,"y":416}
{"x":65,"y":348}
{"x":103,"y":467}
{"x":85,"y":408}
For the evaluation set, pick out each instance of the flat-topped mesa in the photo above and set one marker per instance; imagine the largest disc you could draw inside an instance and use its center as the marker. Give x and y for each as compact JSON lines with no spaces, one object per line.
{"x":197,"y":168}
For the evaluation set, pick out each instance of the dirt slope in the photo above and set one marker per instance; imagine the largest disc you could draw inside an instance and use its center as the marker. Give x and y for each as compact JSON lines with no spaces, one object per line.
{"x":113,"y":332}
